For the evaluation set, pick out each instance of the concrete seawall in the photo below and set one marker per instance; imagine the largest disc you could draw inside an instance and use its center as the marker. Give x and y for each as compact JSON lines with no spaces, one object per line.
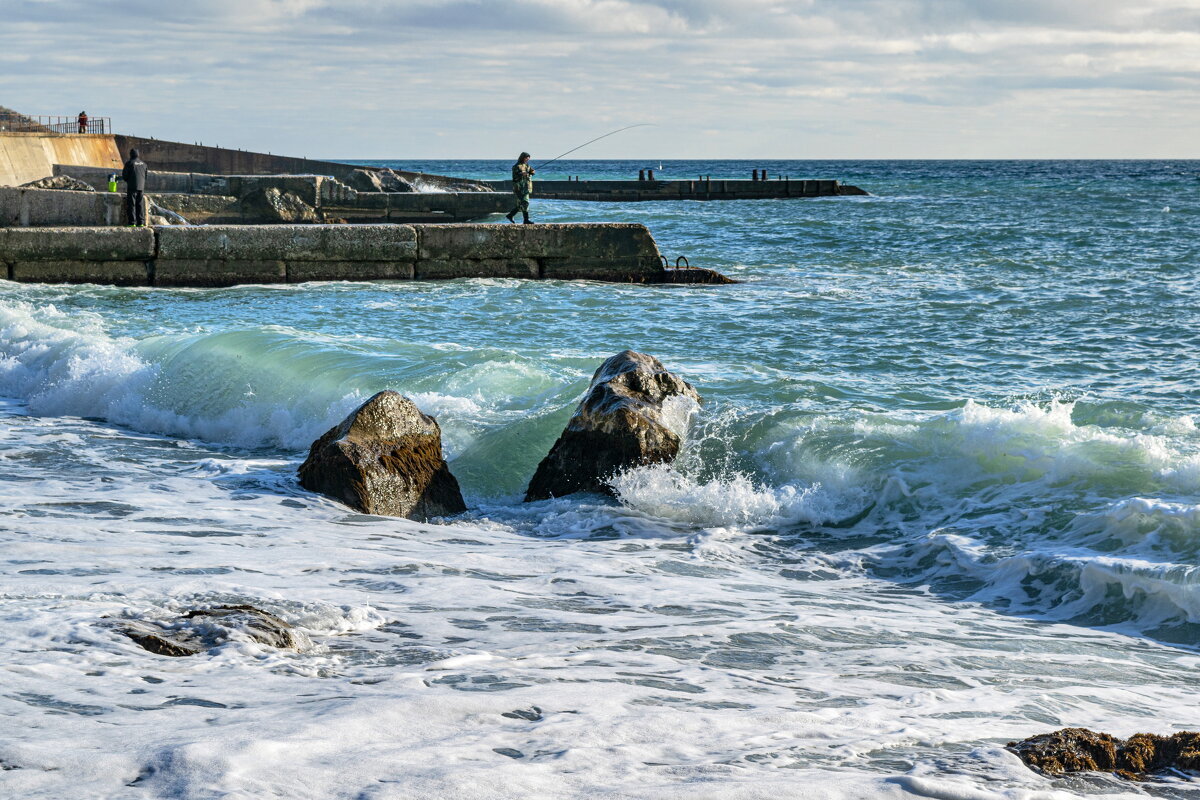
{"x":27,"y":157}
{"x":228,"y":255}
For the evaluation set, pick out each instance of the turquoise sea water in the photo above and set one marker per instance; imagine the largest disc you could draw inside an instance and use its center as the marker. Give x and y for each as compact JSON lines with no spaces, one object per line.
{"x":942,"y":494}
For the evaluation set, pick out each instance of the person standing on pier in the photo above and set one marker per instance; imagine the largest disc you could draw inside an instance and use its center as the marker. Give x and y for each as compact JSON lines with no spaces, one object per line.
{"x":522,"y":177}
{"x":83,"y":121}
{"x":134,"y":175}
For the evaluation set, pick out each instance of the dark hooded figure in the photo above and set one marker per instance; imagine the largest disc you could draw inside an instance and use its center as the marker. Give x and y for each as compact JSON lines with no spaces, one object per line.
{"x":522,"y":178}
{"x":134,"y":176}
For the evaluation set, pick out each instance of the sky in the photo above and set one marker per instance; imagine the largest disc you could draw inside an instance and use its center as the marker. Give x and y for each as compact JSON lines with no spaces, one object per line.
{"x":711,"y":78}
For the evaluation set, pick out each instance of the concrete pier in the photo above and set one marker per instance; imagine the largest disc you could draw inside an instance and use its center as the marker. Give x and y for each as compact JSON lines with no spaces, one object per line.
{"x":650,"y":189}
{"x":229,"y":255}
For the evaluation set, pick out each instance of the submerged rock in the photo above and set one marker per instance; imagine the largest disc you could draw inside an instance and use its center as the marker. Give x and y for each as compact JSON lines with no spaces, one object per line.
{"x":695,"y":275}
{"x":1082,"y":750}
{"x":623,"y":421}
{"x":385,"y":458}
{"x":203,"y":629}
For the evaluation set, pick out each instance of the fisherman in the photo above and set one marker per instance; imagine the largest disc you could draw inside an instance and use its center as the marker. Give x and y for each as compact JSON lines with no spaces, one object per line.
{"x":83,"y":121}
{"x":134,"y":175}
{"x":522,"y":178}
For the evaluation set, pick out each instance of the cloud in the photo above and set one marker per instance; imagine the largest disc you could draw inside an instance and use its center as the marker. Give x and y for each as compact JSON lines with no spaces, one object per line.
{"x":469,"y":77}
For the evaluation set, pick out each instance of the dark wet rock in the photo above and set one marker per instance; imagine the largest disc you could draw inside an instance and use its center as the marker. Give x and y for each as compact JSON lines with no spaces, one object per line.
{"x":509,"y":752}
{"x":389,"y":181}
{"x":1082,"y":750}
{"x":622,"y":422}
{"x":385,"y":458}
{"x":200,"y":630}
{"x":1068,"y":750}
{"x":695,"y":275}
{"x":271,"y":205}
{"x":1147,"y":752}
{"x":59,"y":182}
{"x":531,"y":714}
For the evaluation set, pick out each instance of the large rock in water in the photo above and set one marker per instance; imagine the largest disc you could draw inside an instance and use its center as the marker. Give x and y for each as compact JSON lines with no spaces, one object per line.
{"x":1082,"y":750}
{"x":385,"y":458}
{"x":622,"y":422}
{"x":203,"y":629}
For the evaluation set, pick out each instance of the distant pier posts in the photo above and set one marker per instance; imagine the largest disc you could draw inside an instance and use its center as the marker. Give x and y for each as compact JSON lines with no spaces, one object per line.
{"x":649,"y":174}
{"x":641,"y":174}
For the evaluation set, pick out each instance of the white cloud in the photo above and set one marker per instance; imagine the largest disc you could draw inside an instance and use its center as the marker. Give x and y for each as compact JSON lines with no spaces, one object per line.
{"x":384,"y":78}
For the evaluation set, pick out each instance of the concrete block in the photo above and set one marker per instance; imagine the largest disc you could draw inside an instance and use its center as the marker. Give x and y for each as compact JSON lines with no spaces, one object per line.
{"x":450,"y":242}
{"x":366,"y":200}
{"x":474,"y":205}
{"x":197,"y":208}
{"x":356,"y":216}
{"x":113,"y":273}
{"x":396,"y":216}
{"x":60,"y":207}
{"x":301,"y":271}
{"x":288,"y":243}
{"x":10,"y":207}
{"x":477,"y":268}
{"x":76,"y":244}
{"x":215,"y":272}
{"x":613,"y":270}
{"x":446,"y":202}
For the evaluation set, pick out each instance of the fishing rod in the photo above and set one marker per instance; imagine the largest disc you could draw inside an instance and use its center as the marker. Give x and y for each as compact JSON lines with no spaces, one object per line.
{"x":598,"y":138}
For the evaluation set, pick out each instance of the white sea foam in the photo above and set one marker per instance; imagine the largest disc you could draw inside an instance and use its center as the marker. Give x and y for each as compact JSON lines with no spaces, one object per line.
{"x":577,"y":647}
{"x":737,"y":501}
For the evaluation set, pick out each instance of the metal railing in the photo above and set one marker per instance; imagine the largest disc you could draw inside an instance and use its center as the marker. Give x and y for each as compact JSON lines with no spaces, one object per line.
{"x":23,"y":123}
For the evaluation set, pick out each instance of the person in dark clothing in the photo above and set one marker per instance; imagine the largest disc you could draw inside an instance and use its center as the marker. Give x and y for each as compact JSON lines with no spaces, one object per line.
{"x":83,"y":121}
{"x":134,"y":175}
{"x":522,"y":178}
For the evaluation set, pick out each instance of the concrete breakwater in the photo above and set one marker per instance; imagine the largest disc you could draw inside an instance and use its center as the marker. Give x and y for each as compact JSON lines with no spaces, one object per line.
{"x":252,"y":200}
{"x":205,"y":198}
{"x":642,"y":190}
{"x":229,"y":255}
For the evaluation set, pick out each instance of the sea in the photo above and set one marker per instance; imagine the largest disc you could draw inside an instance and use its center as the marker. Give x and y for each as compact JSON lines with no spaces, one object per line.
{"x":943,"y":493}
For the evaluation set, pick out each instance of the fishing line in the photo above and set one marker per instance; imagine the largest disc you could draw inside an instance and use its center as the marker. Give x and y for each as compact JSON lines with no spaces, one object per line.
{"x":598,"y":138}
